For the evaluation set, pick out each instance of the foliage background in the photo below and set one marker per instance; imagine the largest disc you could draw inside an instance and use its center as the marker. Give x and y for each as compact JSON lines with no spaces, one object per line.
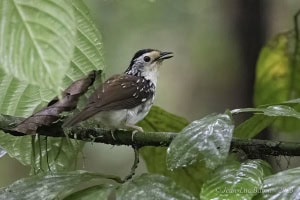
{"x":208,"y":72}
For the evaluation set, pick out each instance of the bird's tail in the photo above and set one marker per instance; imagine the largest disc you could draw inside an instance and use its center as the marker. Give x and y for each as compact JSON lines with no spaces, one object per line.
{"x":79,"y":117}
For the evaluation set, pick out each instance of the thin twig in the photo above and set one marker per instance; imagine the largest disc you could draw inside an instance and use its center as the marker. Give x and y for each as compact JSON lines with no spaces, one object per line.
{"x":134,"y":165}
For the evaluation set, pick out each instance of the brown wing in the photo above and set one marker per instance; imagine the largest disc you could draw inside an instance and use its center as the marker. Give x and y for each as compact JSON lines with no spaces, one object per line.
{"x":118,"y":92}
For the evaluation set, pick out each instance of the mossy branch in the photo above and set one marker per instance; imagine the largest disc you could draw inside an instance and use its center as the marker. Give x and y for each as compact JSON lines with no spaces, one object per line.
{"x":252,"y":147}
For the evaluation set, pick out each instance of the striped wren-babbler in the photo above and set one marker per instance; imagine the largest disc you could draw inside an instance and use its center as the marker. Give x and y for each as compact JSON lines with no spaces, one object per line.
{"x":123,"y":100}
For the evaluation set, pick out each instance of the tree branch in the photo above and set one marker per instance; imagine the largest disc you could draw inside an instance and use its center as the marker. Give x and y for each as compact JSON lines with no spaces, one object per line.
{"x":252,"y":147}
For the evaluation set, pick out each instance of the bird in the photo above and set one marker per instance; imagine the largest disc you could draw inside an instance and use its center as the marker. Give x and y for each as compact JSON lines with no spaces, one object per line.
{"x":125,"y":99}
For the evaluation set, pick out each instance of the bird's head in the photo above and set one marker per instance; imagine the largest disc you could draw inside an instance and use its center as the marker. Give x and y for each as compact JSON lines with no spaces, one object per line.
{"x":146,"y":62}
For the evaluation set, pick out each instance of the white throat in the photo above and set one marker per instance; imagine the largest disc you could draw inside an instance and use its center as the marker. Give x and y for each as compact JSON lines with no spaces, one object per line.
{"x":151,"y":74}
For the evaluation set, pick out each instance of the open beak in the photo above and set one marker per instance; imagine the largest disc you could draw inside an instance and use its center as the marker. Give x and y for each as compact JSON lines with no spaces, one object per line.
{"x":165,"y":55}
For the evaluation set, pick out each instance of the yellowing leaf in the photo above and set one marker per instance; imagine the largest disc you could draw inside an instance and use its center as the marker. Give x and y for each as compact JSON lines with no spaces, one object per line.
{"x":273,"y":73}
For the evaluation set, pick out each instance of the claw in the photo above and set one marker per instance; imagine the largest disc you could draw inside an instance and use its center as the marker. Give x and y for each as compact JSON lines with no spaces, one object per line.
{"x":112,"y":134}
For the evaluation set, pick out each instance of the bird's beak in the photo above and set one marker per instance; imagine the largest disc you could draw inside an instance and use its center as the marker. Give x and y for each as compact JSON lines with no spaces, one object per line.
{"x":162,"y":56}
{"x":165,"y":55}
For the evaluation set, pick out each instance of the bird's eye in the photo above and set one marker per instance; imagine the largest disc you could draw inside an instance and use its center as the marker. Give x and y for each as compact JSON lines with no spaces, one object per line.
{"x":147,"y":58}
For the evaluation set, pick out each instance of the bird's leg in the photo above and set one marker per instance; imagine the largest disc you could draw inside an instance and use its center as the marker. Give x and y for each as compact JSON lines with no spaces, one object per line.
{"x":135,"y":129}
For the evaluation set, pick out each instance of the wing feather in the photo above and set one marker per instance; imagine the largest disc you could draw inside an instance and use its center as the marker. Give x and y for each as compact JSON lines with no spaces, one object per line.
{"x":119,"y":92}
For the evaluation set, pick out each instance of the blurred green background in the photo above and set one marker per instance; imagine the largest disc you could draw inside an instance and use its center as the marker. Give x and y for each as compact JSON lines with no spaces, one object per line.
{"x":216,"y":44}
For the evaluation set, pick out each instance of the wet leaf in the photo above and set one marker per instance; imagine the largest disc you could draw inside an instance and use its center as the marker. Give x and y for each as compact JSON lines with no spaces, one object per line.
{"x":96,"y":192}
{"x":19,"y":148}
{"x":273,"y":111}
{"x":2,"y":152}
{"x":47,"y":186}
{"x":61,"y":153}
{"x":264,"y":117}
{"x":284,"y":185}
{"x":152,"y":187}
{"x":236,"y":181}
{"x":53,"y":154}
{"x":206,"y":139}
{"x":190,"y":177}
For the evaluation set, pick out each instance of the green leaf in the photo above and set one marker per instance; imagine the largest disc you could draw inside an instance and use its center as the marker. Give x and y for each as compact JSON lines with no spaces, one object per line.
{"x":22,"y":98}
{"x":252,"y":126}
{"x":273,"y":72}
{"x":273,"y":111}
{"x":161,"y":120}
{"x":17,"y":147}
{"x":236,"y":181}
{"x":96,"y":192}
{"x":277,"y":75}
{"x":2,"y":152}
{"x":264,"y":117}
{"x":44,"y":186}
{"x":151,"y":187}
{"x":281,"y":186}
{"x":206,"y":139}
{"x":190,"y":177}
{"x":37,"y":41}
{"x":88,"y":52}
{"x":61,"y":152}
{"x":18,"y":98}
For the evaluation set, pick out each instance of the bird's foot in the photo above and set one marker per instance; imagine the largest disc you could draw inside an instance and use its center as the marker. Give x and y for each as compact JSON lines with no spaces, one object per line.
{"x":135,"y":130}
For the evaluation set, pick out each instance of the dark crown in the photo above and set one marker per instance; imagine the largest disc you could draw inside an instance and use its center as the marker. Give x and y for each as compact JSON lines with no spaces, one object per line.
{"x":139,"y":53}
{"x":132,"y":71}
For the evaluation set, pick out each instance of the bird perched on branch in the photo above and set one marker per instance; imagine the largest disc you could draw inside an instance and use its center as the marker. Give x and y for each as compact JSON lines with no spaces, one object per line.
{"x":123,"y":100}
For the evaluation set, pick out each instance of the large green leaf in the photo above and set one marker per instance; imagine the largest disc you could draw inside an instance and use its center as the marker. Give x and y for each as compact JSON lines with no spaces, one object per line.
{"x":20,"y":98}
{"x":37,"y":41}
{"x":97,"y":192}
{"x":278,"y":75}
{"x":61,"y":153}
{"x":88,"y":52}
{"x":284,"y":185}
{"x":47,"y":186}
{"x":55,"y":154}
{"x":17,"y":147}
{"x":236,"y":181}
{"x":17,"y":97}
{"x":190,"y":177}
{"x":206,"y":139}
{"x":273,"y":73}
{"x":152,"y":187}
